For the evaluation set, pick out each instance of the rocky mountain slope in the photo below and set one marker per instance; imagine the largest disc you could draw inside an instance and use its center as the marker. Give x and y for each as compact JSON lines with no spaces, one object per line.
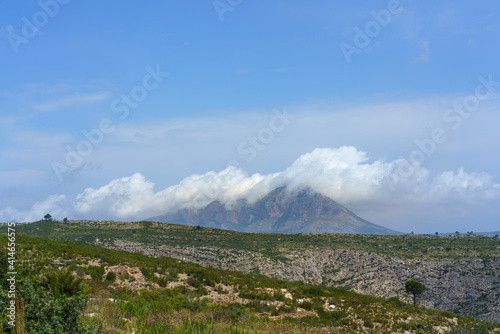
{"x":281,"y":211}
{"x":469,"y":287}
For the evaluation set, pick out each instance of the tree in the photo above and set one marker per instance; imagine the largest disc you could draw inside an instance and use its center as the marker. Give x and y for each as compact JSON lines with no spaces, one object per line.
{"x":47,"y":217}
{"x":415,"y":288}
{"x":65,"y":220}
{"x":437,"y":233}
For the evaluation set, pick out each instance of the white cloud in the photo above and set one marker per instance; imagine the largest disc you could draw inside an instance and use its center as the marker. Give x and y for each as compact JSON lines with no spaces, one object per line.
{"x":344,"y":174}
{"x":121,"y":197}
{"x":134,"y":198}
{"x":451,"y":186}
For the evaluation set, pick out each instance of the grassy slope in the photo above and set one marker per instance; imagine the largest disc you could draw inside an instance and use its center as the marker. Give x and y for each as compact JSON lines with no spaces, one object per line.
{"x":182,"y":309}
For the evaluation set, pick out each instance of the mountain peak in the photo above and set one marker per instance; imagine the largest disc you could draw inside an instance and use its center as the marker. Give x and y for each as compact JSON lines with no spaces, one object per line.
{"x":283,"y":210}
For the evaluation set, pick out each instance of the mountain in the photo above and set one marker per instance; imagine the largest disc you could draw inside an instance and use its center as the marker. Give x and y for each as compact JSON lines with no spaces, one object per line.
{"x":281,"y":211}
{"x":488,"y":234}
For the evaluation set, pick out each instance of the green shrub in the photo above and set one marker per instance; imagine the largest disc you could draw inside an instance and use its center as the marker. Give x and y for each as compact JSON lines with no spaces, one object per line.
{"x":471,"y":328}
{"x":194,"y":282}
{"x":148,"y":273}
{"x":63,"y":284}
{"x":232,"y":312}
{"x":395,"y":302}
{"x":334,"y":316}
{"x":316,"y":291}
{"x":45,"y":314}
{"x":95,"y":272}
{"x":368,"y":323}
{"x":162,"y":281}
{"x":110,"y":277}
{"x":125,"y":276}
{"x":306,"y":305}
{"x":279,"y":297}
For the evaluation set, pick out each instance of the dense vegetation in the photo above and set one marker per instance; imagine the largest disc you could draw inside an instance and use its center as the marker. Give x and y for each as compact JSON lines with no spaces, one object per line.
{"x":68,"y":287}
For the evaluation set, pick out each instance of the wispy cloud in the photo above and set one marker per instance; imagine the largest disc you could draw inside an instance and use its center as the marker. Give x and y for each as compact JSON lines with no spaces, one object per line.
{"x":448,"y":18}
{"x":34,"y":91}
{"x":72,"y":100}
{"x":426,"y":52}
{"x":279,"y":70}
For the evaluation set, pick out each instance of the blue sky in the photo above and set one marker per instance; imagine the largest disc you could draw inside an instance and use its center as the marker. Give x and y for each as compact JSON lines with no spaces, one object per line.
{"x":234,"y":67}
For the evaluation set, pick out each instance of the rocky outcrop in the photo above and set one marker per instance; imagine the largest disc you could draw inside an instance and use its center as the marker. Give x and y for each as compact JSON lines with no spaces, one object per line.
{"x":469,"y":287}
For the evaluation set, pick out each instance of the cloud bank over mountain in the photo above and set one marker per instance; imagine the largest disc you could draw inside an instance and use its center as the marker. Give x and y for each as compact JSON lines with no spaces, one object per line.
{"x":376,"y":190}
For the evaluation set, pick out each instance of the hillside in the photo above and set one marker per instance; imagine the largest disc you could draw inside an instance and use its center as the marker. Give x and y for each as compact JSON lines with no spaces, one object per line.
{"x":131,"y":293}
{"x":281,"y":211}
{"x":461,"y":272}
